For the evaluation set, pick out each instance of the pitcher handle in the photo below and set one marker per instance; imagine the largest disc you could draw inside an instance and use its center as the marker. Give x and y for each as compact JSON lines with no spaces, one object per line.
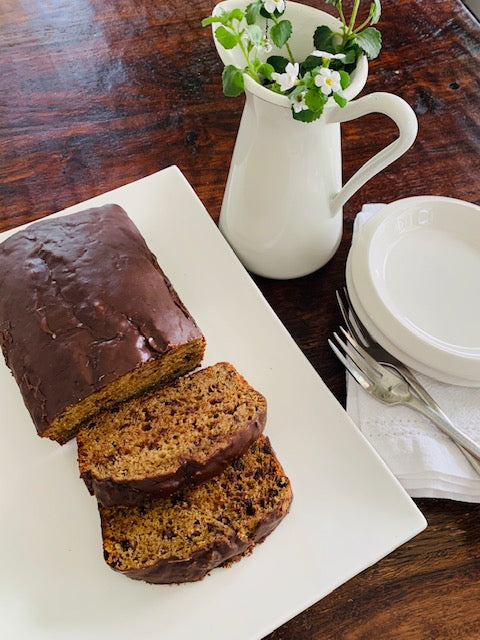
{"x":404,"y":117}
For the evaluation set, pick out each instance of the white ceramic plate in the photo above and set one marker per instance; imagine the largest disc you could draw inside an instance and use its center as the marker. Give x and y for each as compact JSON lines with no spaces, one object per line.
{"x":414,"y":266}
{"x":348,"y":510}
{"x":381,"y":338}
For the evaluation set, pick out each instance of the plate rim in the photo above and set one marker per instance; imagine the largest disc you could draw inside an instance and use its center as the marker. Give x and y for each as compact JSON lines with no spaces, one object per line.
{"x":433,"y":357}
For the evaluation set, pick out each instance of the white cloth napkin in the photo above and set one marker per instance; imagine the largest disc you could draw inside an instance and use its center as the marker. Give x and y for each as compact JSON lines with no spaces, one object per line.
{"x":426,"y":462}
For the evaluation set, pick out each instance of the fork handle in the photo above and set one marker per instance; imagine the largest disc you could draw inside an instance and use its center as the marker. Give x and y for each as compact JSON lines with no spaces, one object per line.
{"x":439,"y":417}
{"x":433,"y":412}
{"x":470,"y":448}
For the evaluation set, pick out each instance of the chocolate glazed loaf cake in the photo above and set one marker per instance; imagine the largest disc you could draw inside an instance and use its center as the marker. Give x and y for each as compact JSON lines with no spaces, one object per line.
{"x":181,"y":434}
{"x":182,"y":537}
{"x":88,"y":318}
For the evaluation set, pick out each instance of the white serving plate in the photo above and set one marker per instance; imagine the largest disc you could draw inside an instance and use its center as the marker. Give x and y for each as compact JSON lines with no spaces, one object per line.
{"x":414,"y":269}
{"x":348,"y":510}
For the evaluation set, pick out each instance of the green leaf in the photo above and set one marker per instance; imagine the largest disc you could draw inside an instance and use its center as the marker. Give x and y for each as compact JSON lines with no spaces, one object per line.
{"x":305,"y":81}
{"x":344,"y":79}
{"x":306,"y":115}
{"x":340,"y":100}
{"x":236,"y":14}
{"x":252,"y":11}
{"x":310,"y":62}
{"x":336,"y":65}
{"x":351,"y":55}
{"x":211,"y":20}
{"x":225,"y":37}
{"x":275,"y":88}
{"x":281,"y":32}
{"x":315,"y":99}
{"x":323,"y":39}
{"x":232,"y":81}
{"x":375,"y":11}
{"x":266,"y":70}
{"x":255,"y":34}
{"x":278,"y":63}
{"x":369,"y":41}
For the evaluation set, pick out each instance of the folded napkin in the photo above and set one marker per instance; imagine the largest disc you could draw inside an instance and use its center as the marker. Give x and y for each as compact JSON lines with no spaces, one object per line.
{"x":425,"y":461}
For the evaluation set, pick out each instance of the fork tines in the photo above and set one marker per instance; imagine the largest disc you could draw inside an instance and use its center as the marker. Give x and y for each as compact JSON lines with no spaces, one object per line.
{"x":348,"y":364}
{"x":352,"y":321}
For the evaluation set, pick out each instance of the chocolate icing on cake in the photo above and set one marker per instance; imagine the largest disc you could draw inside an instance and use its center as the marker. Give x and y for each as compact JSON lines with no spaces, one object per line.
{"x":82,"y":302}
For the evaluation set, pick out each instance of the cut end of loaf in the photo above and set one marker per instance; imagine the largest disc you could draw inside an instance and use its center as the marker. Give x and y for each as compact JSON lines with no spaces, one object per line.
{"x":182,"y":537}
{"x":177,"y":361}
{"x":180,"y":434}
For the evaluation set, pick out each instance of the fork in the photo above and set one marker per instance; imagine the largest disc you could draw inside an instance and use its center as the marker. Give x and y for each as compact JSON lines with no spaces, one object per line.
{"x":390,"y":387}
{"x":361,"y":334}
{"x":358,"y":330}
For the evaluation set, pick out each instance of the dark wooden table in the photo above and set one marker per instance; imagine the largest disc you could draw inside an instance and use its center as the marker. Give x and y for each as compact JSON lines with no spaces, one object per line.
{"x":97,"y":93}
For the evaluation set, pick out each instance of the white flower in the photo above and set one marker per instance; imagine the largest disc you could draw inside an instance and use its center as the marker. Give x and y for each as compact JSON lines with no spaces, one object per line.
{"x":267,"y":46}
{"x":288,"y":79}
{"x":299,"y":102}
{"x":328,"y":81}
{"x":272,"y":5}
{"x":328,"y":56}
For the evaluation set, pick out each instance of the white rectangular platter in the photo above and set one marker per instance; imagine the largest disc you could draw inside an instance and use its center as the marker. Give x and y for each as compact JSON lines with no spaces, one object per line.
{"x":348,"y":510}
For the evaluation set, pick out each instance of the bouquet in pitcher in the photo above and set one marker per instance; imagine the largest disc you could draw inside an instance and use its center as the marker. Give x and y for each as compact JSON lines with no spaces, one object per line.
{"x":262,"y":32}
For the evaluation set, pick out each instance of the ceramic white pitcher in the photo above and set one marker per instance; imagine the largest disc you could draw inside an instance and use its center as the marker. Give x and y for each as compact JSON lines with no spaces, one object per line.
{"x":282,"y":208}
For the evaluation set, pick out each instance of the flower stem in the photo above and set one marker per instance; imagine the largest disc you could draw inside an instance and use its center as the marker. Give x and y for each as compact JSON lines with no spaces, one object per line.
{"x":251,"y":69}
{"x":353,"y":17}
{"x":341,"y":14}
{"x":362,"y":26}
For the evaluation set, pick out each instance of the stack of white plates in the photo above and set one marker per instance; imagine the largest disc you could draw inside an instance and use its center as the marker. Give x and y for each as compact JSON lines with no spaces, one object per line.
{"x":413,"y":274}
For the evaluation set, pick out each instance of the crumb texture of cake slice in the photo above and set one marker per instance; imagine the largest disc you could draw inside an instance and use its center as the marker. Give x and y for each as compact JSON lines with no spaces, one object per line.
{"x":182,"y":537}
{"x":88,"y":318}
{"x":184,"y":433}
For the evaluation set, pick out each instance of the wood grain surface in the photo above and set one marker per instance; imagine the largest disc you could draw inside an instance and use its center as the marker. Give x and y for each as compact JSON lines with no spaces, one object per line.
{"x":97,"y":93}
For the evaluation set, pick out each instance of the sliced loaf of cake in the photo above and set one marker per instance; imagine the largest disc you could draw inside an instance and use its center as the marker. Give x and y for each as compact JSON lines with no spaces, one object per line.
{"x":183,"y":433}
{"x":88,"y":318}
{"x":182,"y":537}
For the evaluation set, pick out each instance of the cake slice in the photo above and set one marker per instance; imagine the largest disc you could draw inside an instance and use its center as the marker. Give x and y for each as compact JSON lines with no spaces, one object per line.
{"x":88,"y":318}
{"x":182,"y":537}
{"x":180,"y":434}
